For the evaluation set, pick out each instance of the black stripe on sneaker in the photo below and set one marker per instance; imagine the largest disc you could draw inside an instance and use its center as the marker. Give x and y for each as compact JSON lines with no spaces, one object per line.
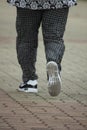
{"x":28,"y":86}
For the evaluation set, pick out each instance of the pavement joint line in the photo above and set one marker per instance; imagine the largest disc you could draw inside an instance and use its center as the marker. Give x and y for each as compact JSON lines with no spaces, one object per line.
{"x":62,"y":91}
{"x":84,"y":115}
{"x":73,"y":107}
{"x":9,"y":75}
{"x":77,"y":121}
{"x":76,"y":84}
{"x":74,"y":99}
{"x":13,"y":112}
{"x":9,"y":125}
{"x":23,"y":106}
{"x":68,"y":128}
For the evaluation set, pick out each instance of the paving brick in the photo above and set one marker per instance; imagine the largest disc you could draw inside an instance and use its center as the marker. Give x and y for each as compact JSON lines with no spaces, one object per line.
{"x":24,"y":111}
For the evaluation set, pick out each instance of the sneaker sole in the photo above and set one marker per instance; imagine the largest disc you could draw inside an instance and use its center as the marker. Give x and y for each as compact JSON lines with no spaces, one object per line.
{"x":30,"y":90}
{"x":52,"y":71}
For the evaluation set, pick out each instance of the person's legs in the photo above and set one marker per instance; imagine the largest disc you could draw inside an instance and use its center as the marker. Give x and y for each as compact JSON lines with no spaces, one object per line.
{"x":53,"y":27}
{"x":27,"y":25}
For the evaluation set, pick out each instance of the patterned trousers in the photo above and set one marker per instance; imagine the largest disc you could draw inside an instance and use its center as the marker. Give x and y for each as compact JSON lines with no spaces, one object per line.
{"x":27,"y":25}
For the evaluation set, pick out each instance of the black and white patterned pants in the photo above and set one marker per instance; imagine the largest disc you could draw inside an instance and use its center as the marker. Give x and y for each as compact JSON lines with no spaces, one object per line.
{"x":27,"y":26}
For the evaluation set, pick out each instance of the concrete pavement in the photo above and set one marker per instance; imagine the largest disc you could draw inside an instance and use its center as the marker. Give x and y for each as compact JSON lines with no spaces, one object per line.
{"x":24,"y":111}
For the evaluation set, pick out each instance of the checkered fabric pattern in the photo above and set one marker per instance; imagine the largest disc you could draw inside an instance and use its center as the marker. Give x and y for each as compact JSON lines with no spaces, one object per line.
{"x":53,"y":27}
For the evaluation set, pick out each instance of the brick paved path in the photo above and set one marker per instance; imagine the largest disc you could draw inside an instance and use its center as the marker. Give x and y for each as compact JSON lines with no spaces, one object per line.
{"x":23,"y":111}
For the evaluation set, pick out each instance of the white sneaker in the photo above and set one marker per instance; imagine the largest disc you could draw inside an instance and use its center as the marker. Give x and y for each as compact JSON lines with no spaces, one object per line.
{"x":54,"y":80}
{"x":30,"y":86}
